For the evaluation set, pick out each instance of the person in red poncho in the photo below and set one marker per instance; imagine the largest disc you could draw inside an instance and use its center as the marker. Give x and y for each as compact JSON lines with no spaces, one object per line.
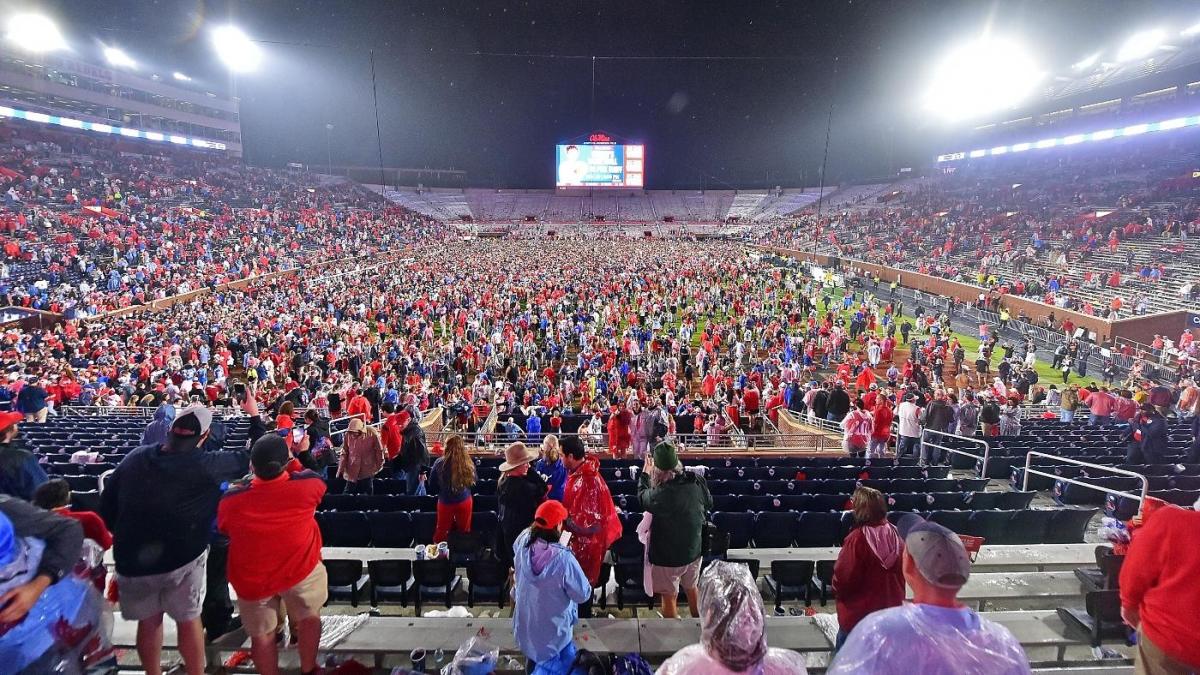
{"x":881,"y":432}
{"x":620,"y":431}
{"x":593,"y":521}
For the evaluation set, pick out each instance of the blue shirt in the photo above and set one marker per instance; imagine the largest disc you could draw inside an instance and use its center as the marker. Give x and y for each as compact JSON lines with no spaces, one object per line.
{"x":555,"y":475}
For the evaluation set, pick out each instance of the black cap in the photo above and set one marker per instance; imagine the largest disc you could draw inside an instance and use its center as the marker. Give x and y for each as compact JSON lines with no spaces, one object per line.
{"x":269,"y":456}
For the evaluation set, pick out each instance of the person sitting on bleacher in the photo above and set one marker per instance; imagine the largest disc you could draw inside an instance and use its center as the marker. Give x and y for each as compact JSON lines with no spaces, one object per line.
{"x":20,"y":472}
{"x":733,"y":636}
{"x":935,"y":634}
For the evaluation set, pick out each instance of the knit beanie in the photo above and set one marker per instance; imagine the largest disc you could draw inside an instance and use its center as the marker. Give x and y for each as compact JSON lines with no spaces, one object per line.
{"x":665,"y":458}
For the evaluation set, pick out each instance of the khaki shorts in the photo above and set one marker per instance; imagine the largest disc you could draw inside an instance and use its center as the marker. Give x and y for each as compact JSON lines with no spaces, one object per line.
{"x":302,"y":601}
{"x":667,"y":580}
{"x":179,"y":593}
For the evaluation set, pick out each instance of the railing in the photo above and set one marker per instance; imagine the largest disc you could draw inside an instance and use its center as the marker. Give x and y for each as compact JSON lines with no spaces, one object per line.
{"x":1029,"y":470}
{"x":981,"y":459}
{"x":103,"y":410}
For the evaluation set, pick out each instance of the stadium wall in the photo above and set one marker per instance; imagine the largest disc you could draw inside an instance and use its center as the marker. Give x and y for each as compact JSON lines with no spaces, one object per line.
{"x":1137,"y":329}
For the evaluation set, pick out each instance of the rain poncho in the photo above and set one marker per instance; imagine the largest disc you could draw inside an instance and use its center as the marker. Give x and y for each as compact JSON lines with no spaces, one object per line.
{"x":67,"y":629}
{"x":590,"y":505}
{"x":931,"y":640}
{"x":549,"y":586}
{"x":156,"y":431}
{"x":732,"y":631}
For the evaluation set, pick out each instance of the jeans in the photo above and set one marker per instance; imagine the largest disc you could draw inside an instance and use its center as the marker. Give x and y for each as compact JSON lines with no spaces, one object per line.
{"x":412,"y":478}
{"x":908,"y":445}
{"x":930,"y":454}
{"x":1066,"y":415}
{"x":877,"y":448}
{"x":841,"y":639}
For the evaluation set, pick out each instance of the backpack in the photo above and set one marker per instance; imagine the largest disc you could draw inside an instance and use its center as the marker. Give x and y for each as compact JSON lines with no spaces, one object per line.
{"x":631,"y":664}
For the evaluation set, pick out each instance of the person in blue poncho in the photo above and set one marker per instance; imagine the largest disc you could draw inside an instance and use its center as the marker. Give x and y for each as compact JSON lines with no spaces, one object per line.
{"x":550,"y":584}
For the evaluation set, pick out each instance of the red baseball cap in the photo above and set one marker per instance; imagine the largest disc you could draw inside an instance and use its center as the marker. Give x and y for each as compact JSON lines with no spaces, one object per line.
{"x":550,"y":514}
{"x":7,"y":419}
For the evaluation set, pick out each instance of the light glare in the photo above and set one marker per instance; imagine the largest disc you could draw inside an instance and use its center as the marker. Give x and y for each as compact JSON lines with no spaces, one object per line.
{"x":116,"y":57}
{"x":1140,"y":45}
{"x":1191,"y":30}
{"x":981,"y":77}
{"x":35,"y":33}
{"x":1087,"y":62}
{"x":235,"y":49}
{"x":181,"y":77}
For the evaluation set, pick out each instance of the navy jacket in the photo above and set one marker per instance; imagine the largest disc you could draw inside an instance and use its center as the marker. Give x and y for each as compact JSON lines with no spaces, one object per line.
{"x":161,"y":505}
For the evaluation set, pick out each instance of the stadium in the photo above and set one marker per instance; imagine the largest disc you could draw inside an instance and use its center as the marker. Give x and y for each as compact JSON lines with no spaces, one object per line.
{"x":613,"y":338}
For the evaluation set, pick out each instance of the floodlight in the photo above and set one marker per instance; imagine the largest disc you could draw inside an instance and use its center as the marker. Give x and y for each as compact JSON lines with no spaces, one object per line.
{"x":1073,"y":139}
{"x":1194,"y":29}
{"x":1177,"y":123}
{"x":116,"y":57}
{"x":1140,"y":45}
{"x":1135,"y":129}
{"x":235,"y":49}
{"x":1087,"y":62}
{"x":35,"y":33}
{"x":181,"y":77}
{"x":983,"y":76}
{"x":1021,"y":147}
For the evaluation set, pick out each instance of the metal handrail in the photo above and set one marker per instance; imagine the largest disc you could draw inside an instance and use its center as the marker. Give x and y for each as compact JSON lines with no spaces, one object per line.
{"x":981,"y":459}
{"x":1029,"y":470}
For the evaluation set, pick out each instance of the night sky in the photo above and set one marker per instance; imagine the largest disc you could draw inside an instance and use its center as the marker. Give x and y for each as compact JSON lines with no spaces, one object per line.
{"x":719,"y":123}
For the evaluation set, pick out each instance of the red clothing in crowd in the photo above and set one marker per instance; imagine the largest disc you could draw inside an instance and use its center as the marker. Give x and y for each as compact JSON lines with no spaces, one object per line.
{"x":274,"y":541}
{"x":359,"y":405}
{"x":1158,"y":580}
{"x":589,"y":502}
{"x":868,"y":575}
{"x":93,"y":526}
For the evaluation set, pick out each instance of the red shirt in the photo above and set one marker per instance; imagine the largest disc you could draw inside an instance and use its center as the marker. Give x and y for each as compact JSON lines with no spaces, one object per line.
{"x":93,"y":526}
{"x":1159,"y":580}
{"x":274,"y":541}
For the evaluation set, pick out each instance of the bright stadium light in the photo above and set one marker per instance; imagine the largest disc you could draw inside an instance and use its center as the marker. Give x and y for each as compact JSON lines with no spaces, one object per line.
{"x":1141,"y":45}
{"x":235,"y":49}
{"x":980,"y":77}
{"x":1194,"y":29}
{"x":35,"y":33}
{"x":116,"y":57}
{"x":181,"y":77}
{"x":1087,"y":62}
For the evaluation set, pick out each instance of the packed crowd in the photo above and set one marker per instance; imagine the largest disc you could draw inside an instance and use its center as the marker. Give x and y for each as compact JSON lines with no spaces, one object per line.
{"x":1103,"y":231}
{"x":634,"y":333}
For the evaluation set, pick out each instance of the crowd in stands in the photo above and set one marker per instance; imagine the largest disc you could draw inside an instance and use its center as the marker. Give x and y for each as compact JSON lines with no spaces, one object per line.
{"x":1107,"y":231}
{"x":389,"y":317}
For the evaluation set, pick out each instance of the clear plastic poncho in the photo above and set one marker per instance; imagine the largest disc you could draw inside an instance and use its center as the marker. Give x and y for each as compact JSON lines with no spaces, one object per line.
{"x":931,"y":640}
{"x":732,"y":630}
{"x":67,"y":630}
{"x":476,"y":656}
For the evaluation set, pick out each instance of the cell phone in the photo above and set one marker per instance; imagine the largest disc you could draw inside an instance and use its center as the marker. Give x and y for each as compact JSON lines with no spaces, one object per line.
{"x":239,"y":391}
{"x":298,"y":433}
{"x":565,"y":538}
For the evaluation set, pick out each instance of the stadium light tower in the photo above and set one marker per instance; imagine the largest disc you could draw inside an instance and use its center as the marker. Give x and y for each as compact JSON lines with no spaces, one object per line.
{"x":235,"y":49}
{"x":1141,"y":45}
{"x":117,"y":57}
{"x":35,"y":33}
{"x":980,"y":77}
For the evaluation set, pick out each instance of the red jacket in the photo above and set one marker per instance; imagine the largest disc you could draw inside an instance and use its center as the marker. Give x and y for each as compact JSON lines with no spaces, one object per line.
{"x":863,"y":582}
{"x":274,"y":541}
{"x":1159,"y":580}
{"x":392,"y":433}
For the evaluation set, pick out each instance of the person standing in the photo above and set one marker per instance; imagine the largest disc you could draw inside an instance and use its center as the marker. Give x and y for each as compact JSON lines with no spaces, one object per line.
{"x":935,"y":634}
{"x":550,"y":466}
{"x":32,"y":401}
{"x":550,"y":585}
{"x":275,"y":553}
{"x":519,"y":492}
{"x":857,"y":428}
{"x":908,"y":414}
{"x":593,"y":521}
{"x":362,"y":458}
{"x":160,"y":503}
{"x":451,"y":479}
{"x":881,"y":429}
{"x":414,"y":451}
{"x":868,"y":575}
{"x":1159,"y":594}
{"x":989,"y":415}
{"x":679,"y":502}
{"x":20,"y":472}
